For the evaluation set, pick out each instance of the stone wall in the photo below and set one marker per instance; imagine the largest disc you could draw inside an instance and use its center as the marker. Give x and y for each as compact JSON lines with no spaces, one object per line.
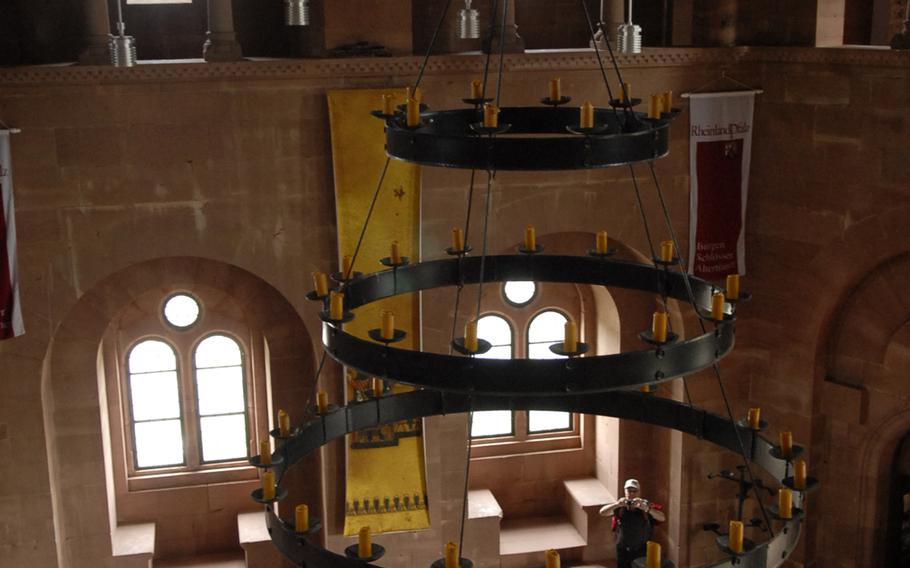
{"x":230,"y":162}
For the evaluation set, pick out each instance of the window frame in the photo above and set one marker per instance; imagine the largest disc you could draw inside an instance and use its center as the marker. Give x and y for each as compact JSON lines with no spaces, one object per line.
{"x":522,"y":441}
{"x":184,"y":342}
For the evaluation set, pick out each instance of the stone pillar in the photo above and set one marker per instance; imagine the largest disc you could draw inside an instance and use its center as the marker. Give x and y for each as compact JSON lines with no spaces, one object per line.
{"x":221,"y":43}
{"x":98,"y":34}
{"x":513,"y":41}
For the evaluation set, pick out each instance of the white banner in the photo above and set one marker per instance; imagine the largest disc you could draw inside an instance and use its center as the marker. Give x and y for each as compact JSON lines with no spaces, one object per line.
{"x":10,"y":311}
{"x":720,"y":149}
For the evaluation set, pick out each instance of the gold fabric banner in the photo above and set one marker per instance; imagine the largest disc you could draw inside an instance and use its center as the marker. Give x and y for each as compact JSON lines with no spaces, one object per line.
{"x":386,"y":481}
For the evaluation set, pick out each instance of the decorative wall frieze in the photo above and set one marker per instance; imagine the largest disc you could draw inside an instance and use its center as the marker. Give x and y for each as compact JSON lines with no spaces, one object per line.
{"x":255,"y":69}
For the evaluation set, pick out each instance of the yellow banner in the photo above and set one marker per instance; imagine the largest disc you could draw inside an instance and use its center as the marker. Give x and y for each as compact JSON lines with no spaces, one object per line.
{"x":386,"y":483}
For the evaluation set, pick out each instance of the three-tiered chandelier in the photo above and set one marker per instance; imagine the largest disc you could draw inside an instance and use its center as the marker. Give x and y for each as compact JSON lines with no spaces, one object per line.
{"x":549,"y":137}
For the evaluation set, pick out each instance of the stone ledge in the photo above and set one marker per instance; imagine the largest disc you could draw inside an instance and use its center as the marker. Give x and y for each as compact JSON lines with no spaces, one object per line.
{"x":133,"y":546}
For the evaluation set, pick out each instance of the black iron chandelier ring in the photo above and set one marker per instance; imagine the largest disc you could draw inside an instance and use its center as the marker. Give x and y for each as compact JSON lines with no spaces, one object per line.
{"x":335,"y":424}
{"x":533,"y":138}
{"x":554,"y":377}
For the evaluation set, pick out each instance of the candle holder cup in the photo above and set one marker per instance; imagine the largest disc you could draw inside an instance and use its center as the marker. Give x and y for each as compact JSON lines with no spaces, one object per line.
{"x":404,"y":108}
{"x":382,"y":115}
{"x":723,"y":542}
{"x":555,"y":103}
{"x":452,"y":251}
{"x":536,"y":250}
{"x":642,"y":562}
{"x":387,"y":261}
{"x":795,"y":512}
{"x":276,"y":434}
{"x":580,"y":349}
{"x":326,"y":316}
{"x":795,"y":452}
{"x":743,"y":297}
{"x":666,"y":263}
{"x":479,"y":128}
{"x":315,"y":524}
{"x":648,"y":337}
{"x":603,"y":255}
{"x":280,"y":493}
{"x":744,"y":423}
{"x":625,"y":103}
{"x":314,"y":409}
{"x":483,"y":346}
{"x":599,"y":130}
{"x":811,"y":483}
{"x":256,"y":461}
{"x":477,"y":101}
{"x":708,"y":316}
{"x":397,"y":335}
{"x":339,"y":278}
{"x":376,"y":552}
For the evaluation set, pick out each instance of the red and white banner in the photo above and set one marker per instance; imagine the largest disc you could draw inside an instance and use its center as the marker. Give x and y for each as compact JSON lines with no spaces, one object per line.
{"x":10,"y":311}
{"x":720,"y":148}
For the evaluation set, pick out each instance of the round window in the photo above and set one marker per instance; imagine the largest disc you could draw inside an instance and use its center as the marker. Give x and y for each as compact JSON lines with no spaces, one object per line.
{"x":519,"y":293}
{"x":181,"y":311}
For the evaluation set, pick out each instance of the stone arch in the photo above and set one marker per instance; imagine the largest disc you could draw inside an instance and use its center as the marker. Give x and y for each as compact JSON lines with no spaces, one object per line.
{"x":74,"y":427}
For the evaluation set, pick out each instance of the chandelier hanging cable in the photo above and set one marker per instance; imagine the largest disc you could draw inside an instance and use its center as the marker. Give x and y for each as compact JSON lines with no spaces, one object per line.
{"x":551,"y":137}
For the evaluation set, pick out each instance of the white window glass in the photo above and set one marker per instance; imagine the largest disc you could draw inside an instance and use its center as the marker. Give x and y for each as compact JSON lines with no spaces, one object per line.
{"x":223,"y":437}
{"x":546,"y":420}
{"x":130,"y":2}
{"x":152,"y":355}
{"x":546,"y":329}
{"x":519,"y":292}
{"x":154,"y":396}
{"x":220,"y":390}
{"x":221,"y":398}
{"x":491,"y":423}
{"x":181,"y":310}
{"x":155,"y":404}
{"x":159,"y":443}
{"x":498,"y":332}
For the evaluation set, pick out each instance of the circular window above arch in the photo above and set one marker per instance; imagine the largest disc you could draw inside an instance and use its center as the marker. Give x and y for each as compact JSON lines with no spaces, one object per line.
{"x":519,"y":292}
{"x":181,"y":311}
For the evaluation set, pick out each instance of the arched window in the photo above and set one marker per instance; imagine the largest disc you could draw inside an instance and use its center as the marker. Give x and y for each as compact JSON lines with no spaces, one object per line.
{"x":185,"y":396}
{"x":547,"y":328}
{"x":498,"y":332}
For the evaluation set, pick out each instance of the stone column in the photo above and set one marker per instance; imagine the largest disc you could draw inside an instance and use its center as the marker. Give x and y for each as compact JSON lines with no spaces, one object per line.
{"x":98,"y":34}
{"x":221,"y":43}
{"x":513,"y":42}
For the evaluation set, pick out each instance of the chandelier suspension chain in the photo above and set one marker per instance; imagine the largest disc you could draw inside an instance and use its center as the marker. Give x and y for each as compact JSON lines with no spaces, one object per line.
{"x":491,"y":175}
{"x":714,"y":365}
{"x":460,"y":287}
{"x":502,"y":45}
{"x":366,"y":221}
{"x":426,"y":57}
{"x":467,"y":474}
{"x":627,"y":111}
{"x":308,"y":402}
{"x":489,"y":54}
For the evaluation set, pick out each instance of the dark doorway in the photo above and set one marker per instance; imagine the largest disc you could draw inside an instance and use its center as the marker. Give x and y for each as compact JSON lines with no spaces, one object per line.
{"x":898,"y":534}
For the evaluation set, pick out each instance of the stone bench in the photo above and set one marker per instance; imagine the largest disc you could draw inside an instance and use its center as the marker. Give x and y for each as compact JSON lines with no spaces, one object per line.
{"x":481,"y":530}
{"x":583,"y":500}
{"x":256,"y":543}
{"x":133,"y":546}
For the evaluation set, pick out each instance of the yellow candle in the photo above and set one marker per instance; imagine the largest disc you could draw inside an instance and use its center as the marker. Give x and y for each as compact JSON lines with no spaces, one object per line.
{"x":457,"y":239}
{"x":646,"y":388}
{"x":659,"y":326}
{"x":552,"y":559}
{"x":377,"y":386}
{"x":733,"y":286}
{"x":451,"y":555}
{"x":490,"y":115}
{"x":388,"y":106}
{"x":717,"y":306}
{"x":755,"y":418}
{"x":284,"y":423}
{"x":785,"y":503}
{"x":602,"y":242}
{"x":555,"y":93}
{"x":470,"y":336}
{"x":364,"y":544}
{"x":530,"y":238}
{"x":321,"y":283}
{"x":322,"y":401}
{"x":346,"y":261}
{"x":571,"y":340}
{"x":652,"y":560}
{"x":395,"y":254}
{"x":786,"y":444}
{"x":476,"y":89}
{"x":416,"y":94}
{"x":336,"y":305}
{"x":388,"y":324}
{"x":626,"y":94}
{"x":302,"y":518}
{"x":413,"y":112}
{"x":265,"y":452}
{"x":736,"y":536}
{"x":587,"y":115}
{"x":799,"y":474}
{"x":666,"y":102}
{"x":654,"y":106}
{"x":666,"y":251}
{"x":268,"y":485}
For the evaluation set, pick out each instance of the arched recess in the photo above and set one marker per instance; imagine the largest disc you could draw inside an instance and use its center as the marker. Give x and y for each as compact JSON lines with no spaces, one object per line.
{"x":74,"y":424}
{"x":865,"y":412}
